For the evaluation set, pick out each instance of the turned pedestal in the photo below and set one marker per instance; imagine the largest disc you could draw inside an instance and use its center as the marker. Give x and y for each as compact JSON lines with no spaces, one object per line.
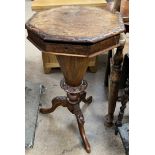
{"x":74,"y":34}
{"x":73,"y":69}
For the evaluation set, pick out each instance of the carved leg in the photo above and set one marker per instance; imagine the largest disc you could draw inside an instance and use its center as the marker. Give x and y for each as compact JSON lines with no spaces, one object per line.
{"x":124,"y":100}
{"x":57,"y":101}
{"x":80,"y":119}
{"x":121,"y":113}
{"x":84,"y":99}
{"x":114,"y":83}
{"x":74,"y":107}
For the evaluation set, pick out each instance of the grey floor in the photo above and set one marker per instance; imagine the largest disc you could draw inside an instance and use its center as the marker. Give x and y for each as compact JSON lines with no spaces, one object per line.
{"x":57,"y":133}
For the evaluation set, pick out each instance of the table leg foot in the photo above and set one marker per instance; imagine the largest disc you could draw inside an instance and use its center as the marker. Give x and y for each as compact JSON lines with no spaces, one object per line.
{"x":86,"y":100}
{"x":108,"y":121}
{"x":80,"y":120}
{"x":57,"y":101}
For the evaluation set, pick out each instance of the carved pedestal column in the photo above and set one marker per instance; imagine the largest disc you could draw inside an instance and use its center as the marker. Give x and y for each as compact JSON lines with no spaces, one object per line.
{"x":73,"y":69}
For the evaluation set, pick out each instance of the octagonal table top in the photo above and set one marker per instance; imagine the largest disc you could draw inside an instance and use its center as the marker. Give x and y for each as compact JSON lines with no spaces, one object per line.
{"x":78,"y":24}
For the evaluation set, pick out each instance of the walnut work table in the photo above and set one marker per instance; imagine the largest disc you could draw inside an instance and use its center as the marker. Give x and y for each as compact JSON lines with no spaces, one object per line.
{"x":74,"y":34}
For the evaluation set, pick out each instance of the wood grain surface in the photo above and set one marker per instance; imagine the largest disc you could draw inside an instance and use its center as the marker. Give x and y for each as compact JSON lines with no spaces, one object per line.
{"x":76,"y":24}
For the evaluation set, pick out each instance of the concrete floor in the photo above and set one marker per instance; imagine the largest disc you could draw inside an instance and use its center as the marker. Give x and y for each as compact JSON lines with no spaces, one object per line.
{"x":57,"y":133}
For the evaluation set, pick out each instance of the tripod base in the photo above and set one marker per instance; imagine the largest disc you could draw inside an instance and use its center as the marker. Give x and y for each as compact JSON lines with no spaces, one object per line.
{"x":72,"y":102}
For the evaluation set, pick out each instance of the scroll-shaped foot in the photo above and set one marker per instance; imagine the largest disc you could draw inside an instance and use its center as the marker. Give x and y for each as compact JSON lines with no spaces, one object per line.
{"x":80,"y":120}
{"x":57,"y":101}
{"x":86,"y":100}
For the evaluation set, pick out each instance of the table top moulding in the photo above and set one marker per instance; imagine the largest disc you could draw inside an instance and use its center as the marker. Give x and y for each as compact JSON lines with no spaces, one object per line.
{"x":83,"y":30}
{"x":47,"y":4}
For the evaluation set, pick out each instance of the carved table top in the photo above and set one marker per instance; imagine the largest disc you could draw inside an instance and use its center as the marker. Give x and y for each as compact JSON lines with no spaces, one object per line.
{"x":74,"y":24}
